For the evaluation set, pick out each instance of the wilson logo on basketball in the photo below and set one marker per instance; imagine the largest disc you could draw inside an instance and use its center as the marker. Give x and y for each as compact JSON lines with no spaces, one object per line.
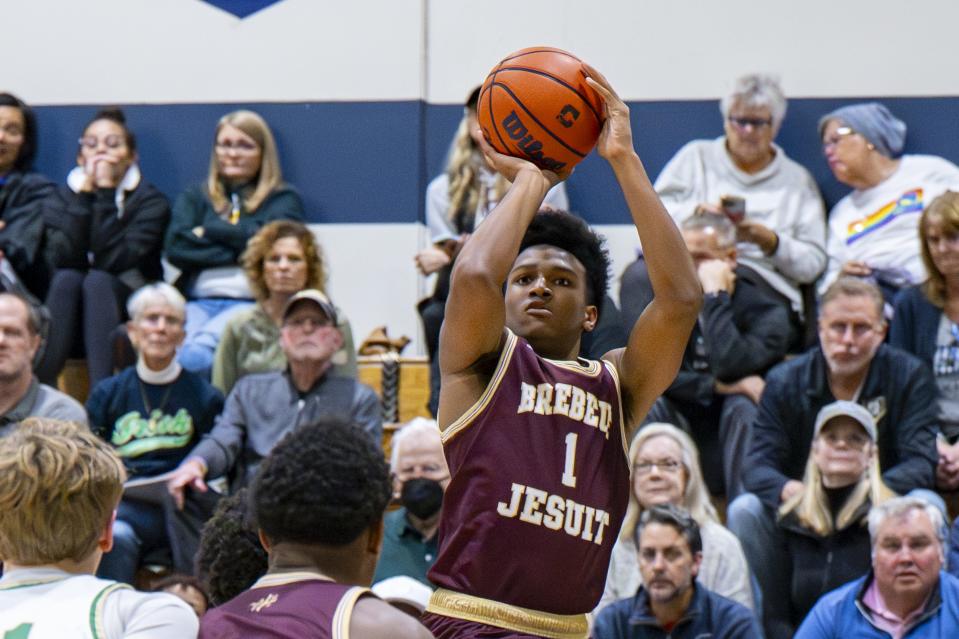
{"x":568,"y":115}
{"x":530,"y":146}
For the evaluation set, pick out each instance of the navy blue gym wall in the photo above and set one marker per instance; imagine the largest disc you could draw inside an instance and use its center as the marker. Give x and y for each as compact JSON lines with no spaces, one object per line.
{"x":369,"y":162}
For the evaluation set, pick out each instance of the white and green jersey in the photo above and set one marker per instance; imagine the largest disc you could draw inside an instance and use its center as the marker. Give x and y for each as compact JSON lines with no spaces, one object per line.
{"x":46,"y":603}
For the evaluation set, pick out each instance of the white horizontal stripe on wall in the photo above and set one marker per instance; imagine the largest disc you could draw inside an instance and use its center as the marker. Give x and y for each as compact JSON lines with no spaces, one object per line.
{"x":187,"y":51}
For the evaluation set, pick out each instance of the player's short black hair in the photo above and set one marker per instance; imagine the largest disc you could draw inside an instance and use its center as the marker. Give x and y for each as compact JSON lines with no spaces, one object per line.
{"x":472,"y":100}
{"x":231,"y":558}
{"x":572,"y":234}
{"x":324,"y":483}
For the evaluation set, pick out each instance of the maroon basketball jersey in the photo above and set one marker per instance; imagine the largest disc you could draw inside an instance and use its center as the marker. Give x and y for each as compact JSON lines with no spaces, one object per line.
{"x":285,"y":605}
{"x":540,"y":483}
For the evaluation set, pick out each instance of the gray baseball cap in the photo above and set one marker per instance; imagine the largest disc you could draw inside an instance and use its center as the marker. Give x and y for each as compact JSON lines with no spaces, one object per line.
{"x":315,"y":296}
{"x":850,"y":409}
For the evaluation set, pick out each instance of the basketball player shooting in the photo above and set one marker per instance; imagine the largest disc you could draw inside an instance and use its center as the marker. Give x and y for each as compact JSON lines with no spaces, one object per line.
{"x":536,"y":438}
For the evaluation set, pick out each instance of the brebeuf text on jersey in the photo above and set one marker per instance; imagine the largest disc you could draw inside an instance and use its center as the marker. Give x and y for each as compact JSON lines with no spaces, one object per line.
{"x":568,"y":400}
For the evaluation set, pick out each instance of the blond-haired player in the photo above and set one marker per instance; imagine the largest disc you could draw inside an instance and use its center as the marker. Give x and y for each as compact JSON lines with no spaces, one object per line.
{"x":59,"y":489}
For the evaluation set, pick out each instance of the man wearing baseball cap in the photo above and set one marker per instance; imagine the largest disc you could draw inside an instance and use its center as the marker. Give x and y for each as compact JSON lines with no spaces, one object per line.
{"x":264,"y":407}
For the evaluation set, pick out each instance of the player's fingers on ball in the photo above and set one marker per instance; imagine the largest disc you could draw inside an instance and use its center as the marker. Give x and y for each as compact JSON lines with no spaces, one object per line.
{"x":599,"y":78}
{"x":485,"y":146}
{"x":600,"y":89}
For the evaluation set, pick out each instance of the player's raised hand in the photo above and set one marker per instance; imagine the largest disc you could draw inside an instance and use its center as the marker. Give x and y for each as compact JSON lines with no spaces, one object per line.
{"x":509,"y":167}
{"x":616,"y":138}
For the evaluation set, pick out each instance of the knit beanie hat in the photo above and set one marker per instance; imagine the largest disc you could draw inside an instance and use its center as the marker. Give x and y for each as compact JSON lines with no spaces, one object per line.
{"x":874,"y":122}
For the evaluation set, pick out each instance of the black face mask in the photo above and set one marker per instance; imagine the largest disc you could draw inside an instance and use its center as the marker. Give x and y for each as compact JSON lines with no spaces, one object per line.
{"x":422,"y":497}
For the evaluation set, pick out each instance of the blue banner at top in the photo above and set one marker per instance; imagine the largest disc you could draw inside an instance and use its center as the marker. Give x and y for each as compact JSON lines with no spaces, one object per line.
{"x":241,"y":8}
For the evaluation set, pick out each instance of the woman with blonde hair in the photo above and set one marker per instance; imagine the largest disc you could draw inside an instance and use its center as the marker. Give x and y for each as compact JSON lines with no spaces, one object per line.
{"x":665,"y":470}
{"x":457,"y":201}
{"x":282,"y":259}
{"x":212,"y":223}
{"x":824,"y":525}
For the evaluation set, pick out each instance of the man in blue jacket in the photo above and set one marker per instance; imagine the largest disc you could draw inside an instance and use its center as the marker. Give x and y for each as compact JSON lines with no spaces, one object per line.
{"x":851,"y":363}
{"x":670,"y":603}
{"x":906,"y":594}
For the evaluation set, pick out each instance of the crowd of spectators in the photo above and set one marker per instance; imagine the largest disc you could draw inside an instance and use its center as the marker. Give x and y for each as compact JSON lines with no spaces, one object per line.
{"x":818,"y":395}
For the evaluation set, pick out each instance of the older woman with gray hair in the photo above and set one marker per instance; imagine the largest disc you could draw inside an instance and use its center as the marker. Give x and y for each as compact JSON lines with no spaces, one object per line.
{"x":153,"y":414}
{"x":665,"y":470}
{"x":779,"y":215}
{"x":874,"y":230}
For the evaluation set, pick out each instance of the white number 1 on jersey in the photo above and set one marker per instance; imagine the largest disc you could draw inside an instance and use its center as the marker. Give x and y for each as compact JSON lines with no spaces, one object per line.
{"x":569,"y":479}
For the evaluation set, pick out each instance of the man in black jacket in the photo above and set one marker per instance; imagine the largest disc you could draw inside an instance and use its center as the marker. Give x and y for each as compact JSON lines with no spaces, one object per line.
{"x":742,"y":331}
{"x":851,"y":363}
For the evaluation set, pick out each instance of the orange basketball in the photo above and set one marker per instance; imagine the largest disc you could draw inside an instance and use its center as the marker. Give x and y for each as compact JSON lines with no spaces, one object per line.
{"x":535,"y":104}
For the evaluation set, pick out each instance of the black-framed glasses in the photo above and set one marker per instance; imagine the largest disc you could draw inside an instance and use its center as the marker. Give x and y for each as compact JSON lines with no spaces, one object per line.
{"x":753,"y":123}
{"x":112,"y":141}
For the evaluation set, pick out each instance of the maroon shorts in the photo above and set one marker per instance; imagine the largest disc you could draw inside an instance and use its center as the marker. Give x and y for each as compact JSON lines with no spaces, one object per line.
{"x":444,"y":627}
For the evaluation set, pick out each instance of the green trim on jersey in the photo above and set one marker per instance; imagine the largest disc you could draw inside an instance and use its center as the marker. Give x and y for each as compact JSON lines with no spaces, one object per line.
{"x":96,"y":609}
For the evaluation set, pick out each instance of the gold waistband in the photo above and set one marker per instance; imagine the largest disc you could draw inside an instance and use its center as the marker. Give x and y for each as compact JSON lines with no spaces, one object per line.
{"x":545,"y":624}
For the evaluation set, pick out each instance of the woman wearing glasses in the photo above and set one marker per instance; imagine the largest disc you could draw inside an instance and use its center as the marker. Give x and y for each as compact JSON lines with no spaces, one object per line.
{"x":103,"y":236}
{"x":872,"y":231}
{"x":21,"y":192}
{"x":824,"y":525}
{"x":212,"y":222}
{"x":780,"y":220}
{"x":665,"y":470}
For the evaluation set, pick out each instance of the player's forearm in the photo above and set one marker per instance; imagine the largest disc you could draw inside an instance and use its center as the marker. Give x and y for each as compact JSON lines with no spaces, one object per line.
{"x":671,"y":270}
{"x":492,"y":249}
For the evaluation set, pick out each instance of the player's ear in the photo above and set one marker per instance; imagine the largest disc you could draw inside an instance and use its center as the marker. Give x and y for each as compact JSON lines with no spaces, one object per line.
{"x":375,"y":538}
{"x":590,"y":317}
{"x":105,"y":541}
{"x":264,"y":540}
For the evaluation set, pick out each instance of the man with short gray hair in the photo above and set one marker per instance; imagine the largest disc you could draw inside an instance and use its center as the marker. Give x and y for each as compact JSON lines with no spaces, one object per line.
{"x":21,"y":394}
{"x":906,"y":594}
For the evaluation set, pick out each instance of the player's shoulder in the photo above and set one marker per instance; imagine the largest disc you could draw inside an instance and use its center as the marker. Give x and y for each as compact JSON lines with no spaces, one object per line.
{"x":373,"y":618}
{"x":158,"y":615}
